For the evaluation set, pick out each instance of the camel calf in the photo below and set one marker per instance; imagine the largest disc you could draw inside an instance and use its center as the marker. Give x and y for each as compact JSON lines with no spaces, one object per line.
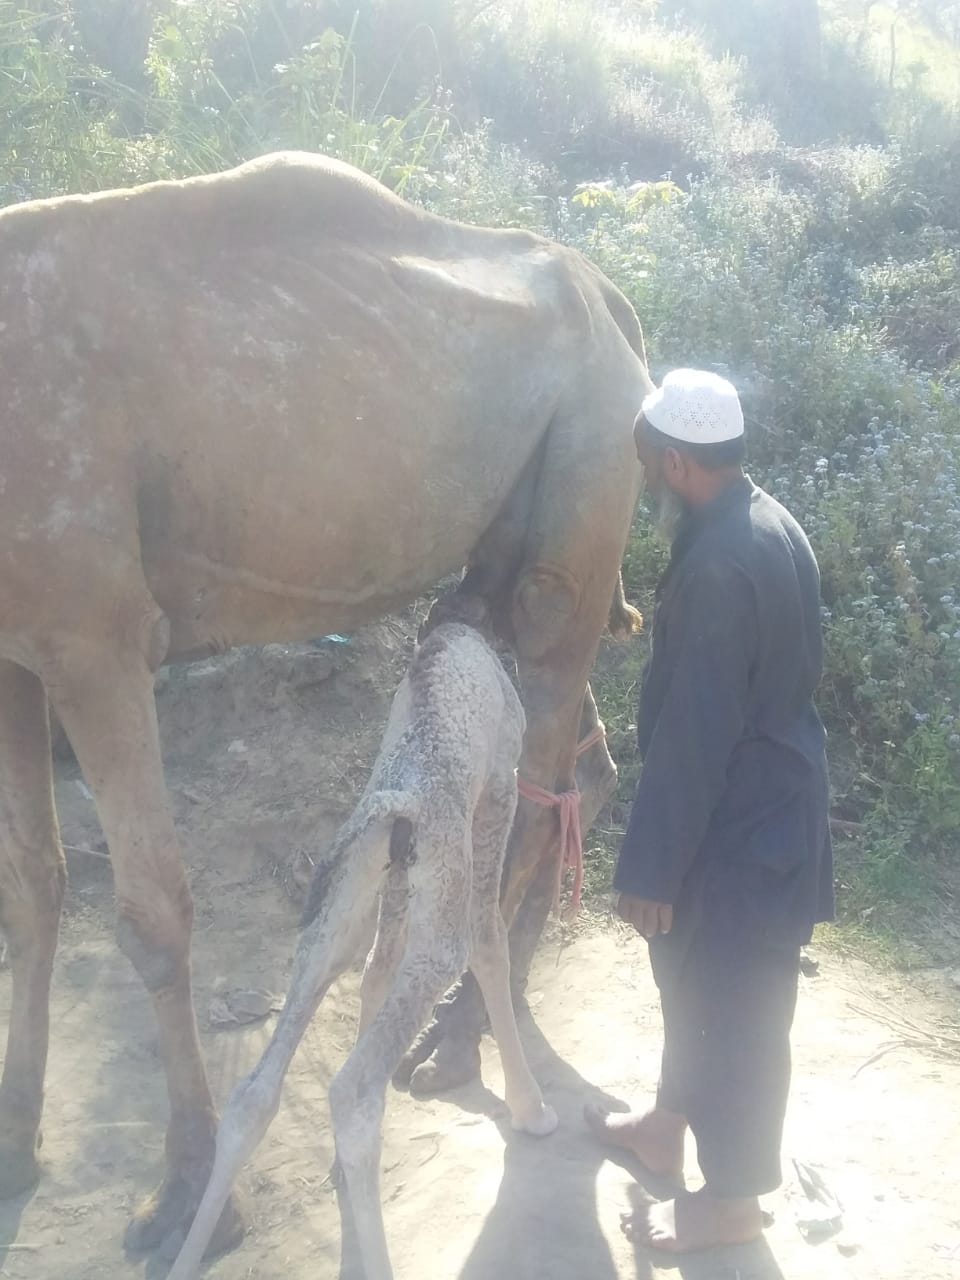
{"x":427,"y":840}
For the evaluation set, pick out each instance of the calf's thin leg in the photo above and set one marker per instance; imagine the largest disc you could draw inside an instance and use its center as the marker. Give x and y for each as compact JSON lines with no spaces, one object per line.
{"x":461,"y":1017}
{"x":387,"y":950}
{"x":490,"y":960}
{"x":255,"y":1101}
{"x":560,"y":711}
{"x":31,"y":892}
{"x":436,"y":952}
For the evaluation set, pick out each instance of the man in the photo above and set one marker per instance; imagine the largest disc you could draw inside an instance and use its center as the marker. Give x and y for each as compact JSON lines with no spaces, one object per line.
{"x":726,"y":865}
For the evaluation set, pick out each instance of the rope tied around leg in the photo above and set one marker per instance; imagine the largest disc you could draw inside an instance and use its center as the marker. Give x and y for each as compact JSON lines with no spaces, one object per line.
{"x":571,"y":837}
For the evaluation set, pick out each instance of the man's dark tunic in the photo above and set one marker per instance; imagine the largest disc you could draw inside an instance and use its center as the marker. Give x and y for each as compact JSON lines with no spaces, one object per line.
{"x":731,"y":809}
{"x":730,"y":820}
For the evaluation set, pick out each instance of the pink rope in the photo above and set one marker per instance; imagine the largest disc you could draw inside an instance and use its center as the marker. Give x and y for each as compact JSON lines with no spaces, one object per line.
{"x":593,"y":737}
{"x":571,"y":837}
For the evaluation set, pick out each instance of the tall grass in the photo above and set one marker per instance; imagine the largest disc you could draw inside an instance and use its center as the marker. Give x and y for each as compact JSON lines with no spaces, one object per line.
{"x":70,"y":126}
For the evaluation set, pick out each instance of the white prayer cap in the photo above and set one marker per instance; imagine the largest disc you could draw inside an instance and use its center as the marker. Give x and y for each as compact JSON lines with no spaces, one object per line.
{"x":696,"y":407}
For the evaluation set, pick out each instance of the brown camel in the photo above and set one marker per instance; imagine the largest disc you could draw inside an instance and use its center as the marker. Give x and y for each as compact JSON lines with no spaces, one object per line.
{"x":260,"y":406}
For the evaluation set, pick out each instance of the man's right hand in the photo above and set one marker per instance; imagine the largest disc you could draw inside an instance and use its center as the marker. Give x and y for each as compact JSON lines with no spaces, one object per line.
{"x":648,"y":918}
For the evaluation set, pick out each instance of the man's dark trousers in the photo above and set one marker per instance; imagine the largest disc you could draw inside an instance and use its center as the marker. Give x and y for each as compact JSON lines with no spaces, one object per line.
{"x":728,"y":1004}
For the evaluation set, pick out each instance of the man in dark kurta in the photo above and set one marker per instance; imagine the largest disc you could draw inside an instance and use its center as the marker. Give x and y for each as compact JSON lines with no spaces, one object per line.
{"x":726,"y":865}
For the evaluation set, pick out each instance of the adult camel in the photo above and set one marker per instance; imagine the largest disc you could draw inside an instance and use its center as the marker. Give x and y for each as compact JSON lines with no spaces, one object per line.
{"x":260,"y":406}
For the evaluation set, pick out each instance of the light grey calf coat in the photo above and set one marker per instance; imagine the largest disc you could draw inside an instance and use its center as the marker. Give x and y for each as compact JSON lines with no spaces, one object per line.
{"x":427,"y":841}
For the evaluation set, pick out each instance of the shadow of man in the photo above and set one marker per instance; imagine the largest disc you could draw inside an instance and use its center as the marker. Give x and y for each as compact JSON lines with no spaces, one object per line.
{"x":545,"y":1224}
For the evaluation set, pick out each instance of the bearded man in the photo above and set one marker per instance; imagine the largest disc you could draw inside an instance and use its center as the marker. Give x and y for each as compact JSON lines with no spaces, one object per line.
{"x":726,"y":865}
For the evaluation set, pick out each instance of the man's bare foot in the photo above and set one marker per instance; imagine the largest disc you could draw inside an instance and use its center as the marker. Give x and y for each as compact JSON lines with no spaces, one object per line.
{"x":655,"y":1137}
{"x":694,"y":1221}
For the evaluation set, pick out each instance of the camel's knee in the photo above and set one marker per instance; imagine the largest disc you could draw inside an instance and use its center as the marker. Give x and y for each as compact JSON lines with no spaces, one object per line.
{"x":32,"y":879}
{"x":545,"y":602}
{"x":32,"y":885}
{"x":153,"y":932}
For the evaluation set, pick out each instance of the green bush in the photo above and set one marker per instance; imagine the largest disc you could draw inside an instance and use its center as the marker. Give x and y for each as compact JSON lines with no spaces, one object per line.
{"x":774,"y":287}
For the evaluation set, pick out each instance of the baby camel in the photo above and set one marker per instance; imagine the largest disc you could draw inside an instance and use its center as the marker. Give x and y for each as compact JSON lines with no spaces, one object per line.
{"x":426,"y":845}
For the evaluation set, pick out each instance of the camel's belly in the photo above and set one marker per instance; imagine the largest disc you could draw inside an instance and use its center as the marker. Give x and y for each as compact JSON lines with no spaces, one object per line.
{"x":213,"y":606}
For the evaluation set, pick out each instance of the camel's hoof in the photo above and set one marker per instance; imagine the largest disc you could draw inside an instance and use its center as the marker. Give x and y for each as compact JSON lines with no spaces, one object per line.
{"x":161,"y":1223}
{"x":541,"y":1123}
{"x":419,"y":1052}
{"x":19,"y":1167}
{"x":451,"y":1064}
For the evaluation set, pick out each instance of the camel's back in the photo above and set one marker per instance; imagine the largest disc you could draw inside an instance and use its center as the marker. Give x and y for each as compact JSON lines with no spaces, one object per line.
{"x":276,"y":200}
{"x":282,"y":192}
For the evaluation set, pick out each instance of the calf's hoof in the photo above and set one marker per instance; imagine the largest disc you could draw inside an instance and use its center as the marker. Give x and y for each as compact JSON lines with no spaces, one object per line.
{"x":541,"y":1121}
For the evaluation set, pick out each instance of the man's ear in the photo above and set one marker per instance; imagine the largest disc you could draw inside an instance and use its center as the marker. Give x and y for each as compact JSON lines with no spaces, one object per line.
{"x":674,"y":463}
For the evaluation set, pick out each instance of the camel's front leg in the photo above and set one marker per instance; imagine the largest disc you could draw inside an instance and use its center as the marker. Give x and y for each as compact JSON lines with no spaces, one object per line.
{"x":31,"y":891}
{"x":107,"y":707}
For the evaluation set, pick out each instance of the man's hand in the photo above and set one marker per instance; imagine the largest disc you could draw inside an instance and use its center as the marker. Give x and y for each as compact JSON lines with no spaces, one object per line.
{"x":648,"y":918}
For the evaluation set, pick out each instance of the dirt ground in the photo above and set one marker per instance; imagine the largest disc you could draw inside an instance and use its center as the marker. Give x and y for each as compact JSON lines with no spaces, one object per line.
{"x":266,"y":752}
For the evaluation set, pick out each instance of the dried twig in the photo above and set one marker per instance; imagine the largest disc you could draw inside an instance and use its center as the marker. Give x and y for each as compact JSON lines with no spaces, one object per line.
{"x":936,"y":1039}
{"x":91,"y":853}
{"x":882,"y":1052}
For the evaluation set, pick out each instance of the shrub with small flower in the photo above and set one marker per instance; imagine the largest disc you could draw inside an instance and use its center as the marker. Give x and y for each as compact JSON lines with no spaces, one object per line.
{"x":772,"y":287}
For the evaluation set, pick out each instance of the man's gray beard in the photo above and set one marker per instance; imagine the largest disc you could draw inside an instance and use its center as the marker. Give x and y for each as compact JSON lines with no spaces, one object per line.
{"x":669,"y":511}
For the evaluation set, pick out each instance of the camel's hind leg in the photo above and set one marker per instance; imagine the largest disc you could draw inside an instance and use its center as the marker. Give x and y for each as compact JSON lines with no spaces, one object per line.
{"x":596,"y":781}
{"x":557,"y":610}
{"x":31,"y":892}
